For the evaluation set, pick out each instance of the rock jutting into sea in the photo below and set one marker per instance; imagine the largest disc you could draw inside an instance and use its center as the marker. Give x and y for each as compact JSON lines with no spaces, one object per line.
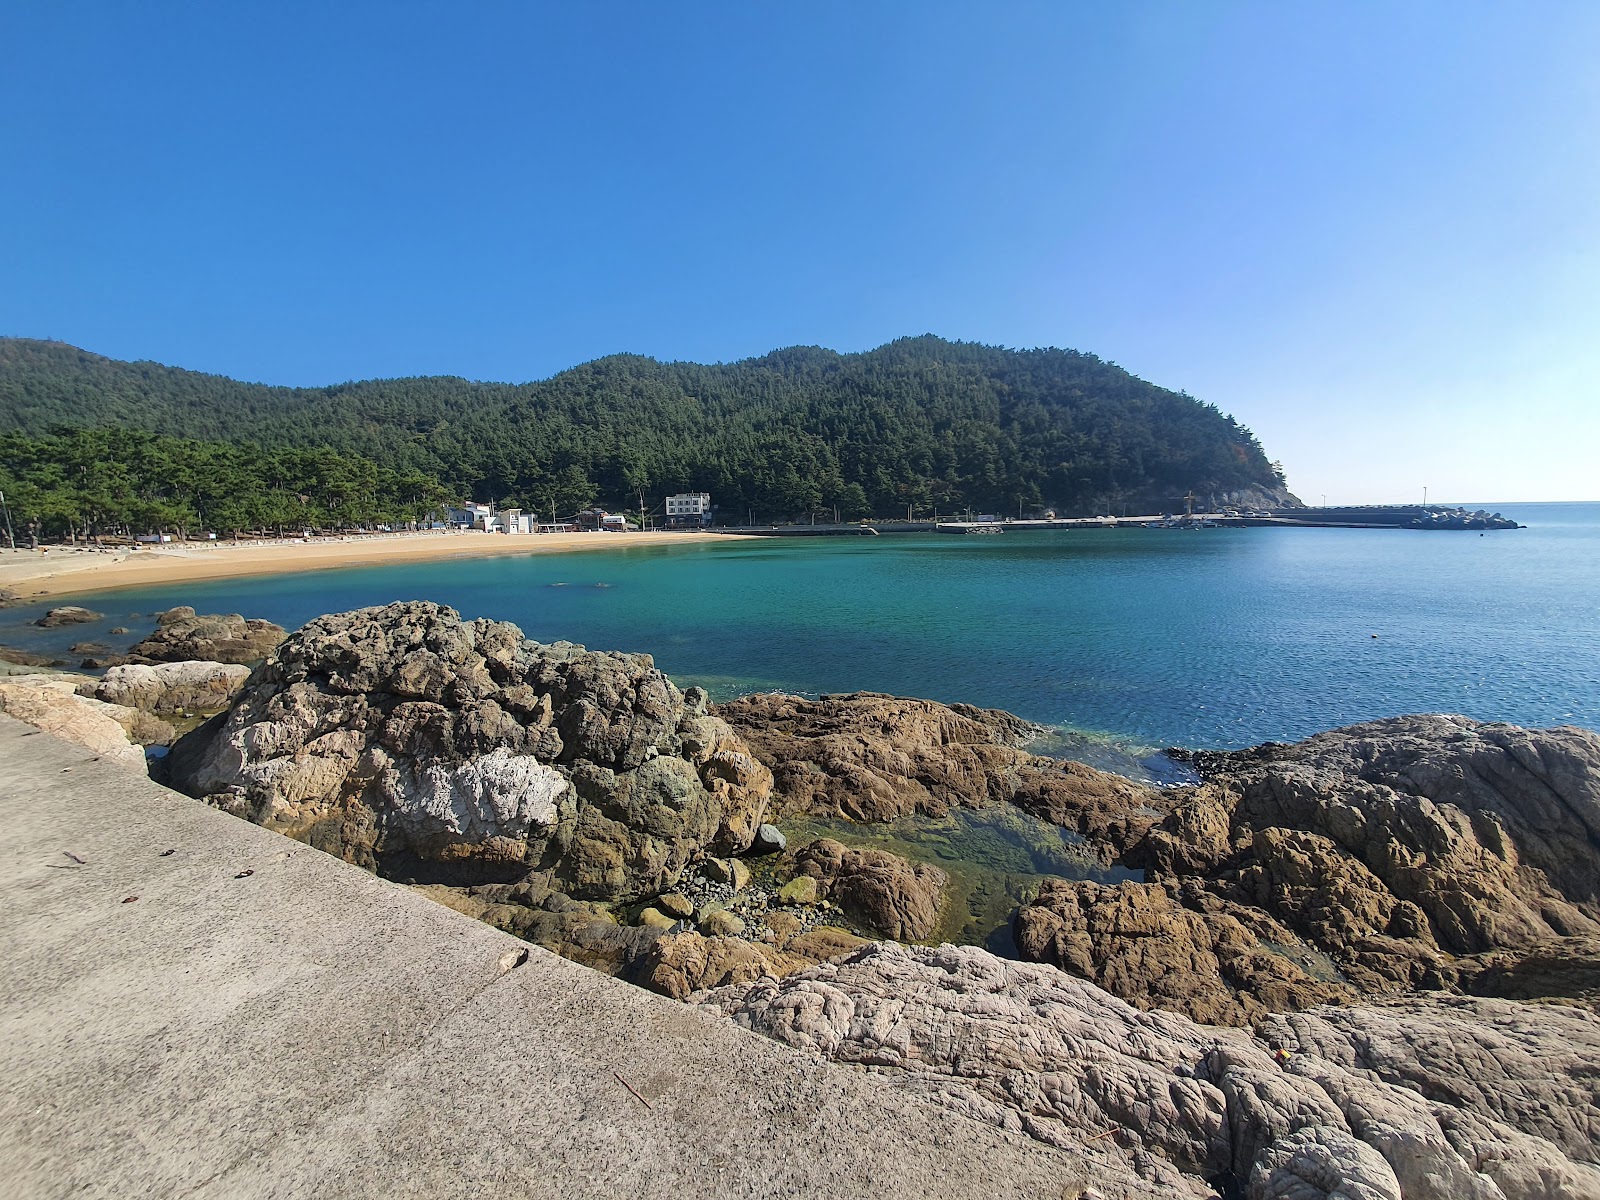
{"x":182,"y":635}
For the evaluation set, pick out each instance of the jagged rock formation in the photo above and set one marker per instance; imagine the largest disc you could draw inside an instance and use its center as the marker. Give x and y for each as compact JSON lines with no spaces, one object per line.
{"x":882,"y":891}
{"x":170,"y":687}
{"x":1429,"y":1099}
{"x":870,"y":757}
{"x":1419,"y":852}
{"x":1183,"y":950}
{"x":1403,"y":847}
{"x":680,"y":964}
{"x":403,"y":736}
{"x":181,"y":635}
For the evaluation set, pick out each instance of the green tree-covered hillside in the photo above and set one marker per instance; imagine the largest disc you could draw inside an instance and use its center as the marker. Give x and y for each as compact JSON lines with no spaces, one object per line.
{"x":920,"y":422}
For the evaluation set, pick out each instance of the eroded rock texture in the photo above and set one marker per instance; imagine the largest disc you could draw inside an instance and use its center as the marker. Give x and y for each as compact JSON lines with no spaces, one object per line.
{"x":182,"y":635}
{"x":171,"y":687}
{"x":449,"y":749}
{"x":1429,"y":1099}
{"x":884,"y":892}
{"x":1213,"y":961}
{"x":871,"y":757}
{"x":1401,"y":846}
{"x":50,"y":702}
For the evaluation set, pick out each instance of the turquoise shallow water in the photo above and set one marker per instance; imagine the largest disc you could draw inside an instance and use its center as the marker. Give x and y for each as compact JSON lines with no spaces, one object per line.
{"x":1159,"y":637}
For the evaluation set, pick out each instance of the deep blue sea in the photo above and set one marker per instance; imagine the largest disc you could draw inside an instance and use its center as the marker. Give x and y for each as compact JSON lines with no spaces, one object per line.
{"x":1209,"y":638}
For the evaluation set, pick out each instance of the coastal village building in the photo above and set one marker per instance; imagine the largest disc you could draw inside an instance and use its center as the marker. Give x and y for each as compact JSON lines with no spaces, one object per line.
{"x":598,"y":519}
{"x":471,"y":516}
{"x":513,"y":520}
{"x":689,"y":508}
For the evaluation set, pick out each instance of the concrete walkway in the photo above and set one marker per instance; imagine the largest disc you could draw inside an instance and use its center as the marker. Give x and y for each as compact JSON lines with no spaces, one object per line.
{"x":168,"y":1028}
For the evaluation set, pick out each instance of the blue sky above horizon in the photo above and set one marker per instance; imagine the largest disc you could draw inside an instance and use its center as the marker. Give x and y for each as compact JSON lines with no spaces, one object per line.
{"x":1369,"y":231}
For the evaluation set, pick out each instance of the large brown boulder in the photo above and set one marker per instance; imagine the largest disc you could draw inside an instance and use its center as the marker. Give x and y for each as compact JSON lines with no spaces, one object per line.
{"x":182,"y":635}
{"x":882,"y":891}
{"x":1184,"y":951}
{"x":444,"y":749}
{"x":870,"y":757}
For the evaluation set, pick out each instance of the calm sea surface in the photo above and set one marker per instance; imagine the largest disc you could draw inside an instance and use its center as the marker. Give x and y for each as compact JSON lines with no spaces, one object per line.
{"x":1215,"y":638}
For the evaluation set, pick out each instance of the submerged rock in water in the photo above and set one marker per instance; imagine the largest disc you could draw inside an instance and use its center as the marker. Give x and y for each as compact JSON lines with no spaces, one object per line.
{"x":27,"y":658}
{"x":68,"y":614}
{"x":182,"y":635}
{"x":1476,"y":1098}
{"x":882,"y":891}
{"x":405,"y":737}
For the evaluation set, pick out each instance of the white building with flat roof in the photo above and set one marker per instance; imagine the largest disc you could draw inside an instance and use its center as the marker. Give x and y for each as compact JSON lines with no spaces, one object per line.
{"x":689,"y":508}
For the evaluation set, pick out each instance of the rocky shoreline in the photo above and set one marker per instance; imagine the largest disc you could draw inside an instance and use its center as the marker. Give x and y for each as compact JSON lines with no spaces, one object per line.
{"x":1367,"y":964}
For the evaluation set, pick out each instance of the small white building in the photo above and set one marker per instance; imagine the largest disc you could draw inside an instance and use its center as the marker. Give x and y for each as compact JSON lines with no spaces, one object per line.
{"x":472,"y":516}
{"x":512,"y":520}
{"x":689,"y":508}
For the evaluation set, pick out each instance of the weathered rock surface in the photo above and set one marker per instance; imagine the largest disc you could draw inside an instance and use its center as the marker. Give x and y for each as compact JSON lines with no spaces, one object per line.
{"x":68,"y":614}
{"x":871,"y":757}
{"x":1183,"y":950}
{"x":181,"y":635}
{"x":172,"y":687}
{"x":1453,"y":1097}
{"x":51,"y":703}
{"x":1403,"y":847}
{"x":681,"y":964}
{"x":439,"y":748}
{"x":535,"y":911}
{"x":881,"y":891}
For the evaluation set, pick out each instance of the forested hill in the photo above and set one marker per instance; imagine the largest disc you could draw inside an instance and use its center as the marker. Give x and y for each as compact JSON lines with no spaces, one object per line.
{"x":918,"y":422}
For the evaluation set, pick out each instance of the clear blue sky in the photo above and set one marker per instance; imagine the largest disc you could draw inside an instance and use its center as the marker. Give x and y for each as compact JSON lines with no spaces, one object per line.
{"x":1369,"y":231}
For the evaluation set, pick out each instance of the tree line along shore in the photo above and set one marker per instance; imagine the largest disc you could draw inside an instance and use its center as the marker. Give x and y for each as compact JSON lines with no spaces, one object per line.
{"x":92,"y":444}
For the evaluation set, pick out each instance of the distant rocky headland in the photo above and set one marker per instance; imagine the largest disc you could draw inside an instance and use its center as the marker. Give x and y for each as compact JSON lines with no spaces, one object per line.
{"x":1362,"y":965}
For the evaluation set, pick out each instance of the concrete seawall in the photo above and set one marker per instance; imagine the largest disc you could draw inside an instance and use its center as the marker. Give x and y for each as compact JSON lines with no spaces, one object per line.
{"x":263,"y":1019}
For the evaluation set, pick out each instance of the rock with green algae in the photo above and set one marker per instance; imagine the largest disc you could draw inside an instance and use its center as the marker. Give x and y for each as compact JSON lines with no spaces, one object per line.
{"x":802,"y":889}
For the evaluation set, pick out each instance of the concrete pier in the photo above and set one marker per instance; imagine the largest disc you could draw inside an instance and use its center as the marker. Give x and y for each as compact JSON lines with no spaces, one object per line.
{"x":194,"y":1006}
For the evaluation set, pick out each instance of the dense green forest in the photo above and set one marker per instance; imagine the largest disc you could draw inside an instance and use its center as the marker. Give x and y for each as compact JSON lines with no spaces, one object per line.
{"x":916,"y":424}
{"x":104,"y":482}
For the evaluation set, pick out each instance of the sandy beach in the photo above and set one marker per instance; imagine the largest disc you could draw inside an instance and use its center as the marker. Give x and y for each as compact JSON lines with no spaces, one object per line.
{"x":64,"y":571}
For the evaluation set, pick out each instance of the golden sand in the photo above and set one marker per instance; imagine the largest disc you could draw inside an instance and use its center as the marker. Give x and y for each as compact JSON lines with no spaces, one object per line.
{"x":61,"y":571}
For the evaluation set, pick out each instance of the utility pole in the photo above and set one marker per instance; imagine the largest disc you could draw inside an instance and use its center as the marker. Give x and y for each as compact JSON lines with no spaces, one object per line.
{"x":11,"y":536}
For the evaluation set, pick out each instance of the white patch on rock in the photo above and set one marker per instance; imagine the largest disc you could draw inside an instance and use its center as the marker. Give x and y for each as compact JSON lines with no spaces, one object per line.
{"x":499,"y":795}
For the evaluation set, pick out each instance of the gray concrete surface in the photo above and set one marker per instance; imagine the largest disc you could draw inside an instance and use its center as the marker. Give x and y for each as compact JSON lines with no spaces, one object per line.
{"x":311,"y":1030}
